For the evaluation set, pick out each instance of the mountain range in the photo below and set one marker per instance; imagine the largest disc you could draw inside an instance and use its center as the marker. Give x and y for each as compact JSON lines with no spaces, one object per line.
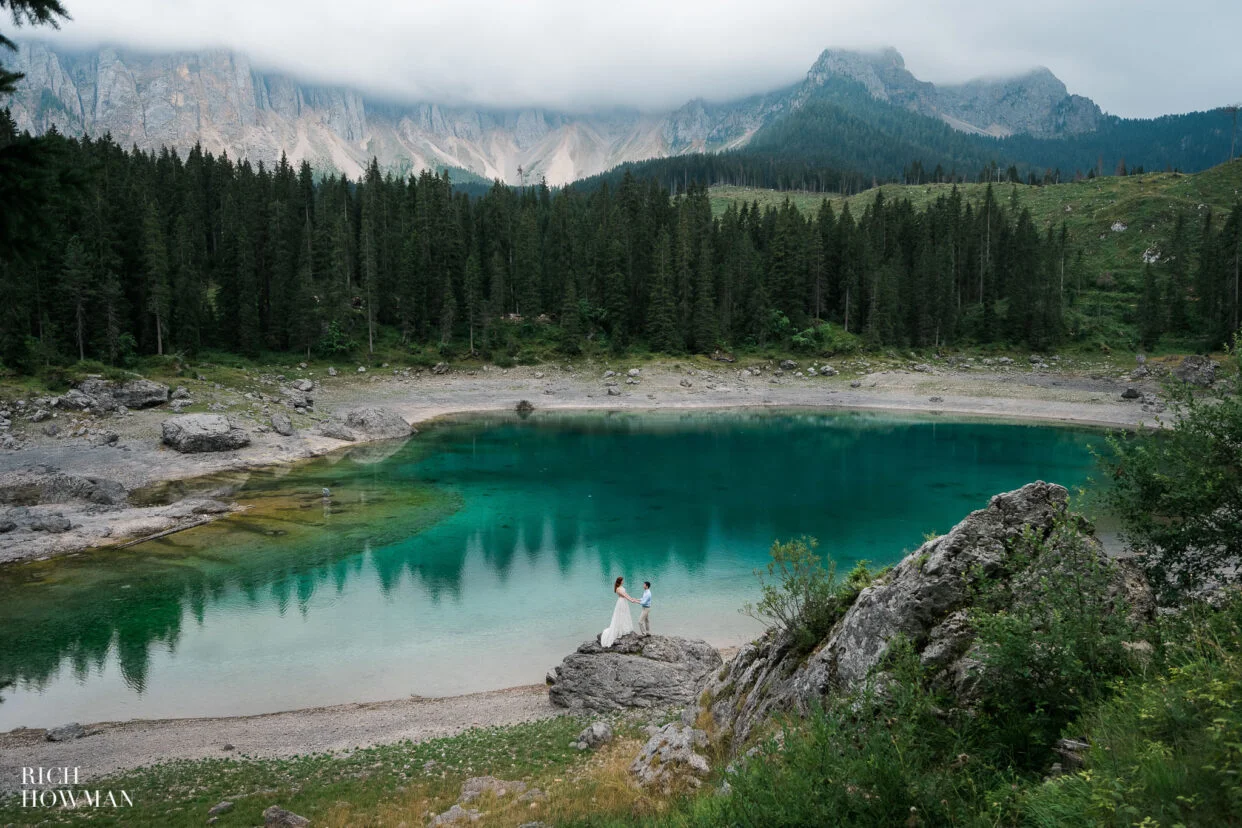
{"x":216,"y":98}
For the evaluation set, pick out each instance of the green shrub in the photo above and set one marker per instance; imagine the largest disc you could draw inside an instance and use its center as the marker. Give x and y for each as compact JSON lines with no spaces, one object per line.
{"x":1050,"y":639}
{"x":1178,"y":493}
{"x":1165,"y":751}
{"x":802,"y":597}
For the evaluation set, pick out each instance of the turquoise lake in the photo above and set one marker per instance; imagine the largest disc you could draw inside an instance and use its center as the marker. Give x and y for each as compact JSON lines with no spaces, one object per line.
{"x":479,"y":553}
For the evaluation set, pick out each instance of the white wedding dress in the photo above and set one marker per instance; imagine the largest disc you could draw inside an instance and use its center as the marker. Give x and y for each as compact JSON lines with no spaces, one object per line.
{"x":622,"y":622}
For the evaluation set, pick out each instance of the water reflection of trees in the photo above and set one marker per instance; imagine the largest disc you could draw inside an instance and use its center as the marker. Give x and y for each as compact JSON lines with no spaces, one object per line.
{"x":617,"y":492}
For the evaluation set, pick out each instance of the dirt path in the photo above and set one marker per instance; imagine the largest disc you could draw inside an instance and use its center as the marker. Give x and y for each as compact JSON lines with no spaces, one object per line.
{"x":116,"y":746}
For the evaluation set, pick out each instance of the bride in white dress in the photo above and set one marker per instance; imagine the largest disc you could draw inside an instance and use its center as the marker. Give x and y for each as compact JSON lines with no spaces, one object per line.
{"x":622,"y":622}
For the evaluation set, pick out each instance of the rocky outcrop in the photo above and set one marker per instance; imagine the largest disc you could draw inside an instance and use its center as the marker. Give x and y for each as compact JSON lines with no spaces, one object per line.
{"x":923,"y":600}
{"x":33,"y":486}
{"x":203,"y":432}
{"x":277,"y":817}
{"x":97,"y":394}
{"x":636,"y":671}
{"x":670,"y":761}
{"x":594,"y":736}
{"x":1196,"y":370}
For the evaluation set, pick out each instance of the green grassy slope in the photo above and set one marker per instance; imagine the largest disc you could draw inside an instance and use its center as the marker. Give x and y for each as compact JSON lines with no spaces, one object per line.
{"x":1112,"y":263}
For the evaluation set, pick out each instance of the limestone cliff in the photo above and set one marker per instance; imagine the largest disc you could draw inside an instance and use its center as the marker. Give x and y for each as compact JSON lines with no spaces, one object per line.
{"x":216,"y":98}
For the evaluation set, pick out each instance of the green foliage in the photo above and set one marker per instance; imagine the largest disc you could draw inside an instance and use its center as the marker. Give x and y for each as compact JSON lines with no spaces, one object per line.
{"x":1178,"y":492}
{"x":1166,"y":750}
{"x":1051,"y":639}
{"x":826,"y":339}
{"x":802,"y":597}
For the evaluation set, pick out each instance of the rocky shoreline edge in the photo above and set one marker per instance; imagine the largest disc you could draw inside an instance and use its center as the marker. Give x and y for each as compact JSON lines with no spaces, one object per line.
{"x":69,"y":492}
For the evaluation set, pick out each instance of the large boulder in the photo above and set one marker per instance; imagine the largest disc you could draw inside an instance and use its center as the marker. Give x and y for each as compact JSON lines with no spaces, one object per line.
{"x":203,"y":432}
{"x":376,"y":423}
{"x":140,"y":394}
{"x":636,"y":671}
{"x":924,"y":600}
{"x":104,"y":395}
{"x":1196,"y":370}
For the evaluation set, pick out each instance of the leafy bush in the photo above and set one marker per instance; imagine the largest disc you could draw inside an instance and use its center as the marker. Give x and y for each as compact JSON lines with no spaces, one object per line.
{"x":1050,"y":641}
{"x":800,"y":595}
{"x":1165,"y":751}
{"x":826,"y":340}
{"x":1178,"y":493}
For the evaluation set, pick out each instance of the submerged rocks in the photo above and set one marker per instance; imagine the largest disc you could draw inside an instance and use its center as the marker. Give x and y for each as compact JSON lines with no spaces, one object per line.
{"x":637,"y":671}
{"x":190,"y":433}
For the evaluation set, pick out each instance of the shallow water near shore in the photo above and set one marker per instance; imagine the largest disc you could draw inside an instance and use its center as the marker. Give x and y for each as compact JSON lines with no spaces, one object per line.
{"x":476,"y":555}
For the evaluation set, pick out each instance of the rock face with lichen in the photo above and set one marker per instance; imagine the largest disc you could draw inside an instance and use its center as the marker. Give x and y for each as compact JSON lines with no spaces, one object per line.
{"x":924,"y":600}
{"x":636,"y":671}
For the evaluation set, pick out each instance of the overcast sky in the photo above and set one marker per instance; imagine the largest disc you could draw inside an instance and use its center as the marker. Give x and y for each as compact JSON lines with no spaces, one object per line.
{"x":1138,"y":58}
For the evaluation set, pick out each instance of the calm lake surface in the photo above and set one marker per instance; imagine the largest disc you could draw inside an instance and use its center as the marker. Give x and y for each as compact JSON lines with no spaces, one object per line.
{"x":478,"y":554}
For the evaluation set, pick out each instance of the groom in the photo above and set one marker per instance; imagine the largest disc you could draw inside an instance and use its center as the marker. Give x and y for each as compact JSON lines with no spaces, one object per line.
{"x":644,"y":620}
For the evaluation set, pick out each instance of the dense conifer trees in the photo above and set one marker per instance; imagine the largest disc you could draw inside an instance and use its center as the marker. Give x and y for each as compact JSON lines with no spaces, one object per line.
{"x":150,"y":253}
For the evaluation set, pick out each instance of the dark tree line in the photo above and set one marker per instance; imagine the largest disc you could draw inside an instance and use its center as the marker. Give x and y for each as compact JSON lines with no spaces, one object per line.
{"x":1195,"y":290}
{"x":150,"y":253}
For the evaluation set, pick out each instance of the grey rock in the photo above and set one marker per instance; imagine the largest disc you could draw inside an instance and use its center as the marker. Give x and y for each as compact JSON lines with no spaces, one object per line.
{"x":685,"y":383}
{"x":1131,"y":394}
{"x":220,"y":808}
{"x":935,"y":399}
{"x":855,"y":383}
{"x":440,"y":368}
{"x":923,"y":368}
{"x":140,"y":394}
{"x":614,"y":391}
{"x":192,"y":433}
{"x":633,"y":372}
{"x":282,"y":425}
{"x":362,"y":369}
{"x":637,"y":671}
{"x":7,"y":526}
{"x":294,"y":398}
{"x":53,"y":522}
{"x":75,"y":400}
{"x":788,"y":365}
{"x":331,"y":371}
{"x":302,"y":385}
{"x":827,"y":371}
{"x":594,"y":736}
{"x":1196,"y":370}
{"x":39,"y":415}
{"x":336,"y":430}
{"x":65,"y":733}
{"x":670,"y":761}
{"x":277,"y":817}
{"x":455,"y":815}
{"x":377,"y":423}
{"x":180,"y":393}
{"x":923,"y":600}
{"x":476,"y":786}
{"x":52,"y":430}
